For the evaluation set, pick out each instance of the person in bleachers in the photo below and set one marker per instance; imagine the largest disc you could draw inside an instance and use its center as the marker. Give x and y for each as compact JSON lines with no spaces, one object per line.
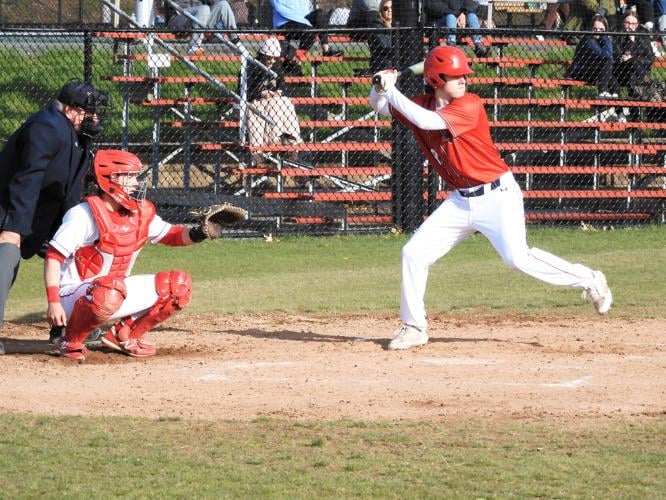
{"x":594,"y":59}
{"x":643,"y":10}
{"x":455,"y":14}
{"x":582,"y":10}
{"x":210,"y":14}
{"x":660,"y":17}
{"x":299,"y":16}
{"x":633,"y":60}
{"x":381,"y":44}
{"x":268,"y":95}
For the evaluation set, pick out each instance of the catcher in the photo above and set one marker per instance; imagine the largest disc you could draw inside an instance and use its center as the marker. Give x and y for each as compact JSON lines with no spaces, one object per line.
{"x":88,"y":262}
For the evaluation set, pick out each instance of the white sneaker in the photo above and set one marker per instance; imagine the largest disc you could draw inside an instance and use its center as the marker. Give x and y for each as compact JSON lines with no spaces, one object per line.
{"x":599,"y":293}
{"x":408,"y":336}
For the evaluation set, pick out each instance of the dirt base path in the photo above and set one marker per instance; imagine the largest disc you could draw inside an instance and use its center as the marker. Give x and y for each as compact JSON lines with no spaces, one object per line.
{"x":305,"y":367}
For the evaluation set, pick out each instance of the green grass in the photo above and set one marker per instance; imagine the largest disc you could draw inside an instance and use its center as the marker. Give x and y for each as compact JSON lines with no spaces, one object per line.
{"x":82,"y":457}
{"x":360,"y":274}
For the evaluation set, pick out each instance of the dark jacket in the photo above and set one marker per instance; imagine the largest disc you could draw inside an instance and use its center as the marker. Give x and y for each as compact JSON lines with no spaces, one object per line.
{"x":434,"y":10}
{"x":258,"y":81}
{"x":590,"y":54}
{"x":41,"y":170}
{"x":640,"y":49}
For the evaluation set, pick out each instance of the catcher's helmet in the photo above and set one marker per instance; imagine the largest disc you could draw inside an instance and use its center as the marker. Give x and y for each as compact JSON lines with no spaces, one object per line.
{"x":442,"y":61}
{"x":108,"y":165}
{"x":94,"y":102}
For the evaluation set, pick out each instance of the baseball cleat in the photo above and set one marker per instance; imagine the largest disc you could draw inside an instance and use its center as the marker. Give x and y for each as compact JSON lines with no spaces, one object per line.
{"x":72,"y":350}
{"x":408,"y":336}
{"x":137,"y":348}
{"x":599,"y":293}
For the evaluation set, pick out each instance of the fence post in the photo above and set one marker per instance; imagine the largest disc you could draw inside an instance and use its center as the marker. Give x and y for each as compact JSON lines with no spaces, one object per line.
{"x":407,"y":182}
{"x":87,"y":56}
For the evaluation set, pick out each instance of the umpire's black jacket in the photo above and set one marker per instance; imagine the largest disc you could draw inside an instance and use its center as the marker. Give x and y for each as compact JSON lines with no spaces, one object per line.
{"x":41,"y":170}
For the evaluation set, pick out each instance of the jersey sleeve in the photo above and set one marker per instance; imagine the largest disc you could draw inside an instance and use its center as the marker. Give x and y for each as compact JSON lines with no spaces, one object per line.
{"x":78,"y":229}
{"x":158,"y":229}
{"x":462,"y":115}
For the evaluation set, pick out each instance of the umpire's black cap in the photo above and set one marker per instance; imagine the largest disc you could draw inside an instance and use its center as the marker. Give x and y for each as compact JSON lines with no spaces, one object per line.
{"x":82,"y":95}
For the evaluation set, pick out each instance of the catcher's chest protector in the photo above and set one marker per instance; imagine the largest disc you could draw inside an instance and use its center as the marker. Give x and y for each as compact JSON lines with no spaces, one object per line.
{"x":121,"y":237}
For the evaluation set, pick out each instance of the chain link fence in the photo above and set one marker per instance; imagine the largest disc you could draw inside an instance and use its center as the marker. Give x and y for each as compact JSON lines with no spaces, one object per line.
{"x":298,"y":145}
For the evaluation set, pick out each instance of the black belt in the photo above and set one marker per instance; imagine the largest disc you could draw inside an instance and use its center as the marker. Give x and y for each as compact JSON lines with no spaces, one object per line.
{"x":481,"y":191}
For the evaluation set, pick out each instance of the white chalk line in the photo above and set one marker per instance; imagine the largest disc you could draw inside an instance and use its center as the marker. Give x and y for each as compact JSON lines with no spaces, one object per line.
{"x":241,"y":365}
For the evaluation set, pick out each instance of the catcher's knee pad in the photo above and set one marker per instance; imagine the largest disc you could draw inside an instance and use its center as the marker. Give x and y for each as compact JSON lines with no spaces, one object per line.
{"x":175,"y":286}
{"x":174,"y":290}
{"x":103,"y":297}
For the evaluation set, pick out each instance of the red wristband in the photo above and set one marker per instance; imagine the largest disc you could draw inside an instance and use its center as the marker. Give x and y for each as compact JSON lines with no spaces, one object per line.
{"x":53,"y":294}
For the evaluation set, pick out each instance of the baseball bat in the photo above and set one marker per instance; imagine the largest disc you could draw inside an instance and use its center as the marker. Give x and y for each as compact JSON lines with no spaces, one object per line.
{"x":414,"y":69}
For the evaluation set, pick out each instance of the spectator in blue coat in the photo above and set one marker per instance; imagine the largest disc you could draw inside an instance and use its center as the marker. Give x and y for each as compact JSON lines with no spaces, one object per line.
{"x":593,"y":60}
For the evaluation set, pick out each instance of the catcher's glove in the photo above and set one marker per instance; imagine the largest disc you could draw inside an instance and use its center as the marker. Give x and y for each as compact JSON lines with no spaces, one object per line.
{"x":212,"y":218}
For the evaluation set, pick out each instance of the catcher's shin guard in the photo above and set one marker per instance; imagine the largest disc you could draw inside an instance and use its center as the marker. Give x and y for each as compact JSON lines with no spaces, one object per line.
{"x":103,"y":297}
{"x":174,"y":290}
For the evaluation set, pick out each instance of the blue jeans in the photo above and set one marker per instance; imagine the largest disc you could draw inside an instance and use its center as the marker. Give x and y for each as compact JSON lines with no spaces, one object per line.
{"x":451,"y":21}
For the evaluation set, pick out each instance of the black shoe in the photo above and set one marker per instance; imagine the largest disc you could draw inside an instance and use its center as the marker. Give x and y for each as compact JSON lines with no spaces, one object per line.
{"x":332,"y":53}
{"x":55,"y":334}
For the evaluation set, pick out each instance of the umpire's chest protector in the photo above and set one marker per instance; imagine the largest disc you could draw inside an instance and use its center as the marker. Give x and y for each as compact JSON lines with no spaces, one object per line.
{"x":122,"y":234}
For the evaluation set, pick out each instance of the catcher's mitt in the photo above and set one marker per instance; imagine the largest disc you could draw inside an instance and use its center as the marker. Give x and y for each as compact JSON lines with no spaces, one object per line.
{"x":212,"y":218}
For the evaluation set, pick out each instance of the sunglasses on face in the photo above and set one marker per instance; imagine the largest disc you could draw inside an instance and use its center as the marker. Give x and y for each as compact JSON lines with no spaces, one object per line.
{"x":387,"y":7}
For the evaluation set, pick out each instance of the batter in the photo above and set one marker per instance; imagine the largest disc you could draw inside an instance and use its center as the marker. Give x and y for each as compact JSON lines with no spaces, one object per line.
{"x":453,"y":131}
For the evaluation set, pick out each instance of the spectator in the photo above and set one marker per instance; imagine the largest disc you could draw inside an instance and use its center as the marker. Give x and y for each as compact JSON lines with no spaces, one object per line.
{"x":267,"y":94}
{"x":210,"y":14}
{"x":298,"y":16}
{"x":456,"y":14}
{"x":633,"y":59}
{"x":582,"y":10}
{"x":559,"y":8}
{"x":660,"y":13}
{"x":593,"y":60}
{"x":42,"y":167}
{"x":380,"y":43}
{"x":643,"y":10}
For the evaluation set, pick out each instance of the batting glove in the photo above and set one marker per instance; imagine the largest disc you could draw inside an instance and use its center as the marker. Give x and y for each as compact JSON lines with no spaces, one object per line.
{"x":385,"y":80}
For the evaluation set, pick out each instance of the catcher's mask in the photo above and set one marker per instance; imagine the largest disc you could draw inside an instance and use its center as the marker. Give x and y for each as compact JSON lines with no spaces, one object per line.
{"x":117,"y":173}
{"x":94,"y":102}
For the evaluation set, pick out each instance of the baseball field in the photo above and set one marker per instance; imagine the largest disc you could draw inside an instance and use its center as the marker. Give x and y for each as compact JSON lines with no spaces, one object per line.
{"x":277,"y":382}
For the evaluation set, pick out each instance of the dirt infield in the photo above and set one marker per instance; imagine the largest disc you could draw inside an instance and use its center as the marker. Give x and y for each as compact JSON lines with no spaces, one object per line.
{"x":325,"y":368}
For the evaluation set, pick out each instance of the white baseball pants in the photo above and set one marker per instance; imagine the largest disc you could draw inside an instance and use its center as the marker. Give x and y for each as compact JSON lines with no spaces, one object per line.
{"x":499,"y":216}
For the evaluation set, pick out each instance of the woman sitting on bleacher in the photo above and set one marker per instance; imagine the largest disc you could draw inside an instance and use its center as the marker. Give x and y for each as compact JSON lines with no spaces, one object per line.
{"x":594,"y":58}
{"x":267,"y":94}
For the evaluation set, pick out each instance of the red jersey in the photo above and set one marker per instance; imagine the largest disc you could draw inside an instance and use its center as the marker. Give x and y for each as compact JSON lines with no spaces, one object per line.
{"x":463,"y":154}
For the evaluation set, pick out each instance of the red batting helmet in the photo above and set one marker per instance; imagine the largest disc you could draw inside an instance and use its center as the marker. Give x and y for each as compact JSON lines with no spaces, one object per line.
{"x":444,"y":60}
{"x":108,"y":165}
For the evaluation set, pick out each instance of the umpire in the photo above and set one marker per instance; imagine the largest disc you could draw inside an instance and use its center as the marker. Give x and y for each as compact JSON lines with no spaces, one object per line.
{"x":42,"y":167}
